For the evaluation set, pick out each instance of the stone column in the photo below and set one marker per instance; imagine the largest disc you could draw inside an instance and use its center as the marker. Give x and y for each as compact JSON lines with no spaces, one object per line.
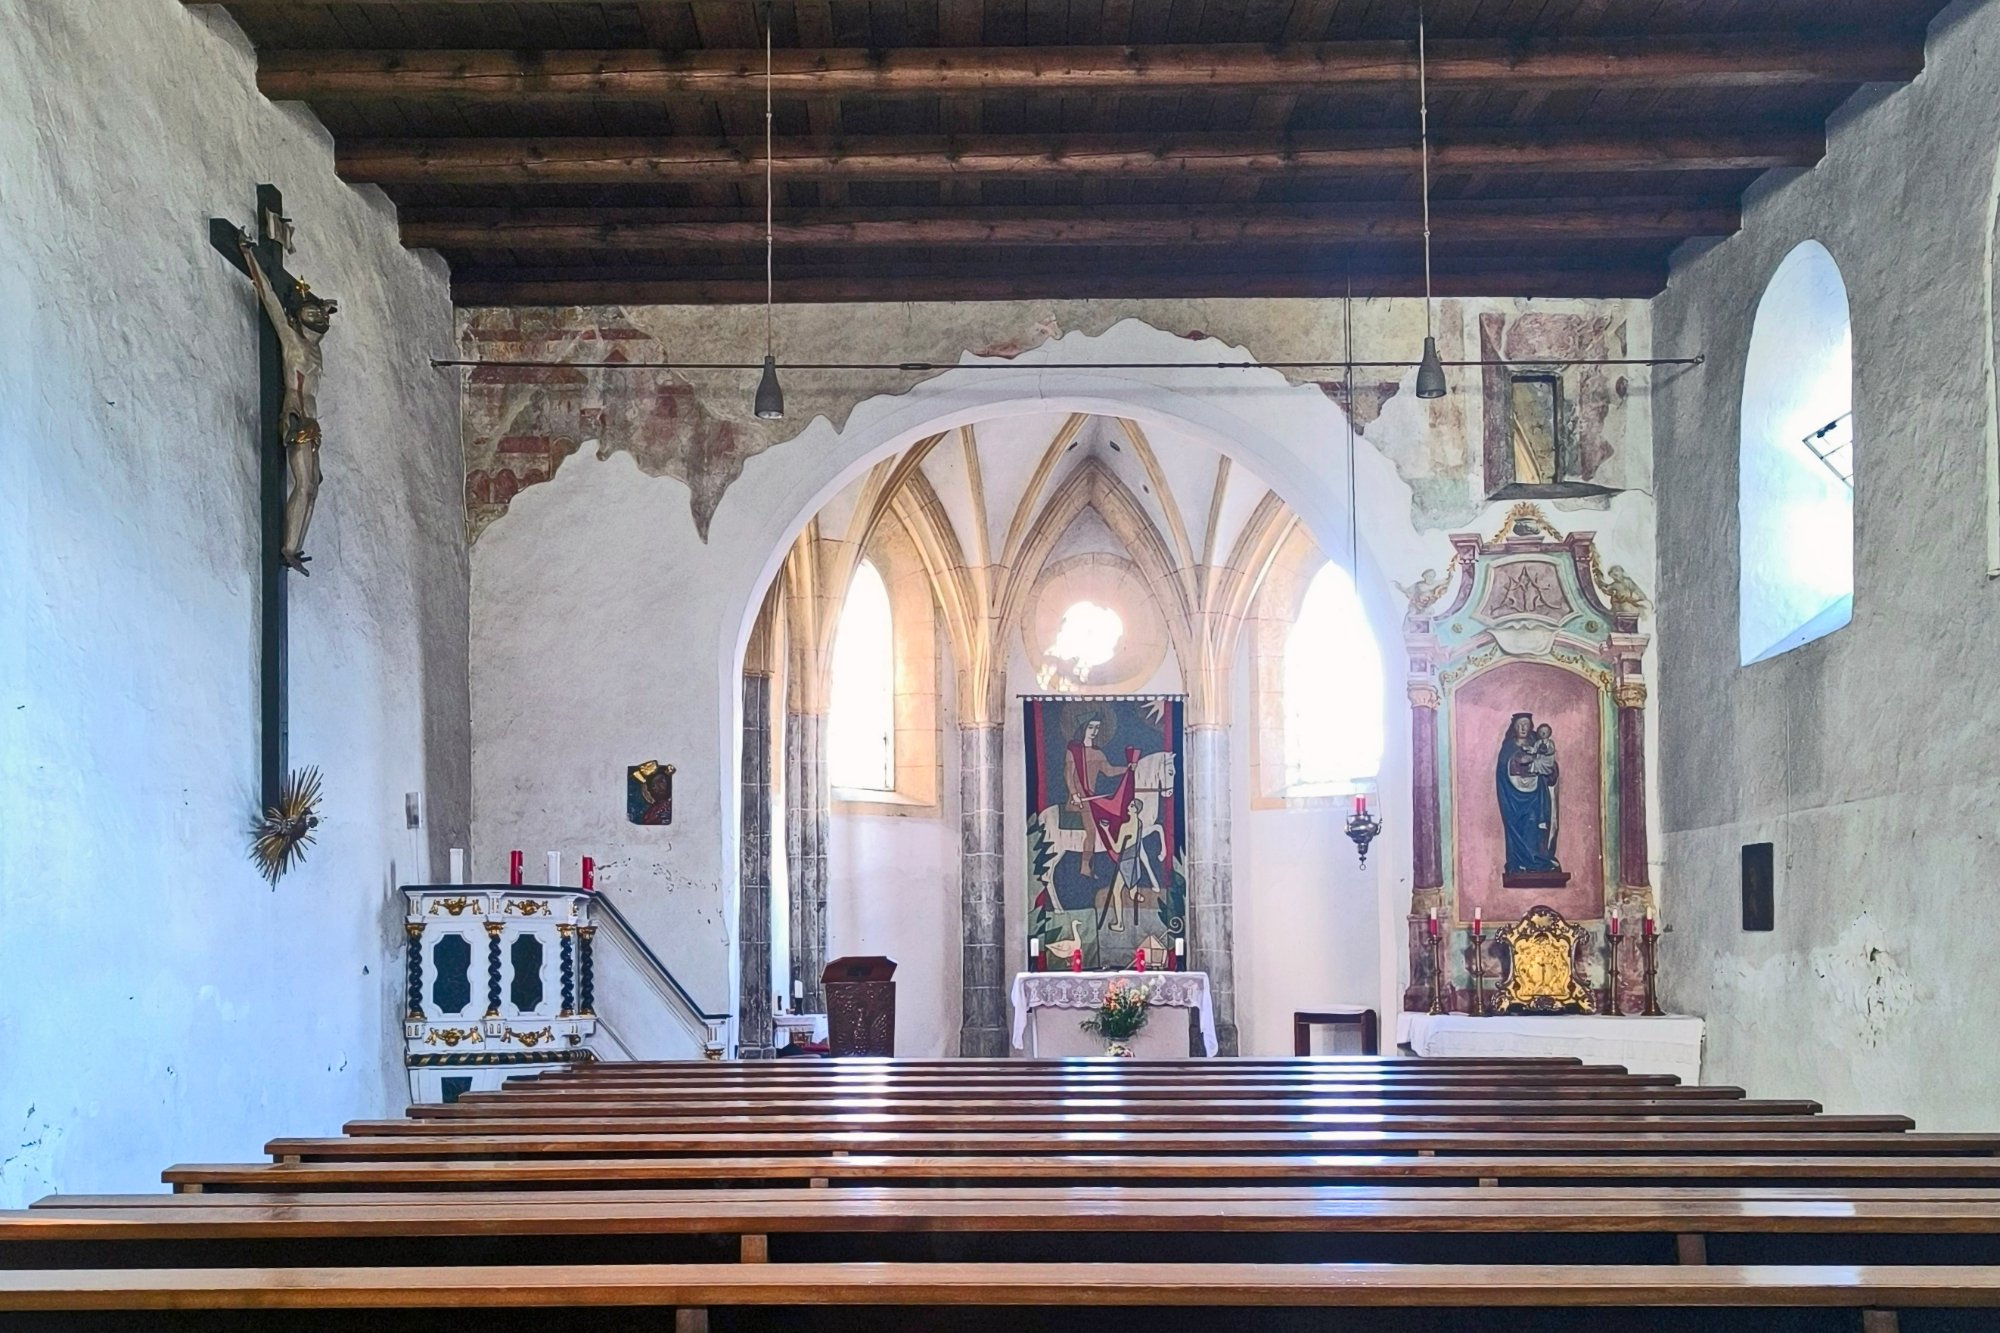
{"x":753,"y":907}
{"x":982,"y":903}
{"x":807,"y":802}
{"x":1211,"y":887}
{"x":1426,"y":847}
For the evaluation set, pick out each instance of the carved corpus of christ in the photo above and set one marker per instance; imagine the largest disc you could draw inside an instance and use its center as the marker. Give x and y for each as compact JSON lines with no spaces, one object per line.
{"x":301,"y":320}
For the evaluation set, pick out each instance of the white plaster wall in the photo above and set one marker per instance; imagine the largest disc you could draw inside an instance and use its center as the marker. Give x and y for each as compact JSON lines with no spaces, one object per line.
{"x":160,"y":1003}
{"x":1866,"y":756}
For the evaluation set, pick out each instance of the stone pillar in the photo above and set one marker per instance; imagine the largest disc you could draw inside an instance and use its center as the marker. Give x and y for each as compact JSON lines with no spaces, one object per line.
{"x":1211,"y":887}
{"x":982,"y":1027}
{"x":1426,"y":834}
{"x":807,"y":802}
{"x":1633,"y":871}
{"x":753,"y":907}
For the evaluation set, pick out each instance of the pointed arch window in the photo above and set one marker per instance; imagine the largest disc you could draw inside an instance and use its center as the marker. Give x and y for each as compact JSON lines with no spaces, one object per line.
{"x":861,"y":715}
{"x":1332,"y":692}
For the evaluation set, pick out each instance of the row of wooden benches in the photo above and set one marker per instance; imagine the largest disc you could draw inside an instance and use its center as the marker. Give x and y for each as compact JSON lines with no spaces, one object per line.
{"x":1015,"y":1186}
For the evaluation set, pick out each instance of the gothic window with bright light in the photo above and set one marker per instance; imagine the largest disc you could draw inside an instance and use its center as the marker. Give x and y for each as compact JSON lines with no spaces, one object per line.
{"x":1795,"y":484}
{"x":861,"y":716}
{"x":1332,"y":691}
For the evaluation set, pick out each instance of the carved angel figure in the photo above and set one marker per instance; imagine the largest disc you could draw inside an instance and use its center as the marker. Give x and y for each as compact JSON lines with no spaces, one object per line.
{"x":1625,"y":594}
{"x":301,"y":320}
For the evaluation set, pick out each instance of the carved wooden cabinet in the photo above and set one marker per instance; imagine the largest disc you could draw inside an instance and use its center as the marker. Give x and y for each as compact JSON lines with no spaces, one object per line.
{"x":860,"y":1006}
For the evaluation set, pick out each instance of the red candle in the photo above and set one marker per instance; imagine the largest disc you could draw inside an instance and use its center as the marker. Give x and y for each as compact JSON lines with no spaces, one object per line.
{"x":1651,"y":929}
{"x":1475,"y":919}
{"x":513,"y":867}
{"x":589,"y":875}
{"x":1431,"y":925}
{"x":1614,"y":923}
{"x":1076,"y":961}
{"x":1361,"y":805}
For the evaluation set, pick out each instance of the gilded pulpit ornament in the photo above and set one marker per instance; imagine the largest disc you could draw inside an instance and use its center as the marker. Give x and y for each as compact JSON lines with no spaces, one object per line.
{"x":1541,"y":953}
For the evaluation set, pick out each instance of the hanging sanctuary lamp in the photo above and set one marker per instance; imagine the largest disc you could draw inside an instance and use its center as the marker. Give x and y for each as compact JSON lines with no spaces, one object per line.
{"x":1430,"y":370}
{"x":770,"y":401}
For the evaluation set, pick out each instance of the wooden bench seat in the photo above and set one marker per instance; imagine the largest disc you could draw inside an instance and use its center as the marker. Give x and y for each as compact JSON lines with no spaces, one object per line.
{"x":1105,"y":1168}
{"x":1513,"y":1104}
{"x":585,"y":1143}
{"x":1004,"y":1285}
{"x":1323,"y":1209}
{"x":1595,"y":1120}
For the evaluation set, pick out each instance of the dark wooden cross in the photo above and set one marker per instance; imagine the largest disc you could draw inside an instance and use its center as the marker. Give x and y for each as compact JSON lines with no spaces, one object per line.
{"x":273,"y":235}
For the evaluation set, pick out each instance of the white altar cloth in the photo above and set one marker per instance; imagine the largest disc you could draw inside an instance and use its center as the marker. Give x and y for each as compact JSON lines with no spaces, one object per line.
{"x":1666,"y":1045}
{"x":1163,"y":1037}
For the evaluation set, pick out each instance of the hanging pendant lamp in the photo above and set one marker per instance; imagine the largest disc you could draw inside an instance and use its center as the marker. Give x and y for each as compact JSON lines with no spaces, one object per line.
{"x":770,"y":401}
{"x":1430,"y":370}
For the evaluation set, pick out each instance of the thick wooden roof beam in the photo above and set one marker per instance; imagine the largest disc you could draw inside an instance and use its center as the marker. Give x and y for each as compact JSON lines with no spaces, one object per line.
{"x":612,"y":229}
{"x":745,"y":285}
{"x":1757,"y":60}
{"x":629,"y":160}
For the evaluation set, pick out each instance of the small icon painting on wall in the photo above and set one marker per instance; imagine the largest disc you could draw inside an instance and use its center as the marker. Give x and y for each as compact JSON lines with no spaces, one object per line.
{"x":649,"y":793}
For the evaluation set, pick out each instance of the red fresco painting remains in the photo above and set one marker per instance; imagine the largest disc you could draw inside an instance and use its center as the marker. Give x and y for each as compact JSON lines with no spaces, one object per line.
{"x":1482,"y":708}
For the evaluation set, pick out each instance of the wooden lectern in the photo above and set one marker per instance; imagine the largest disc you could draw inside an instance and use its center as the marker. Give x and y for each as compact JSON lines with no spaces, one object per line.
{"x":860,"y":1006}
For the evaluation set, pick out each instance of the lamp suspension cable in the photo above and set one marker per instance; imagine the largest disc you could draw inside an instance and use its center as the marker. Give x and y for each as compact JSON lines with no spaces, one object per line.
{"x":1430,"y":372}
{"x":770,"y":400}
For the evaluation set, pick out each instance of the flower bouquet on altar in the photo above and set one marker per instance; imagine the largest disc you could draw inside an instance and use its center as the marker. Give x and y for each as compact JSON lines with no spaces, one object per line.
{"x":1119,"y":1016}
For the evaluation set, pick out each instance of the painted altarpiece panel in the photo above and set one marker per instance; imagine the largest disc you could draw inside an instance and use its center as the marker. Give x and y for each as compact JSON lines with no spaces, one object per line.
{"x":1106,"y":840}
{"x":1527,"y":725}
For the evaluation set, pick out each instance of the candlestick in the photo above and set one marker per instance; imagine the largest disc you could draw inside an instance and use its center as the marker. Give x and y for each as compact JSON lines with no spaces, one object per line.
{"x":1612,"y":1005}
{"x":1478,"y":969}
{"x":513,"y":867}
{"x":555,"y":870}
{"x":1437,"y":974}
{"x":1649,"y":950}
{"x":458,"y":865}
{"x":589,"y":875}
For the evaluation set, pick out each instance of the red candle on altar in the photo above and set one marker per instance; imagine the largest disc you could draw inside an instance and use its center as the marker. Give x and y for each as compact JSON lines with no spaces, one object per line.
{"x":1139,"y":959}
{"x":1475,"y":919}
{"x":1076,"y":961}
{"x":1614,"y":923}
{"x":1651,"y":929}
{"x":513,"y":867}
{"x":589,"y":875}
{"x":1431,"y":925}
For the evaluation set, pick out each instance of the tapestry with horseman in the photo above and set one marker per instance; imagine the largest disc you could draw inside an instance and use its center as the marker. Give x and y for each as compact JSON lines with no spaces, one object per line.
{"x":1107,"y":869}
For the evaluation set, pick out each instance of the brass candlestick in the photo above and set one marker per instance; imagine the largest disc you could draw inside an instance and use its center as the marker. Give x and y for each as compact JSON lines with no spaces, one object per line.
{"x":1649,"y":945}
{"x":1478,"y":971}
{"x":1437,"y":974}
{"x":1611,"y":1001}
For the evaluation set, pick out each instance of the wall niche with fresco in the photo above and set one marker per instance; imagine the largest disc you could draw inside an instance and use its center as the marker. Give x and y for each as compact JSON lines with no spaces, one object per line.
{"x":1545,"y":413}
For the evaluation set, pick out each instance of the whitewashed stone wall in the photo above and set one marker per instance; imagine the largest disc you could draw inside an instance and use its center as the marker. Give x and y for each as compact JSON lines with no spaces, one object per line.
{"x":1868,"y":756}
{"x":158,"y":1002}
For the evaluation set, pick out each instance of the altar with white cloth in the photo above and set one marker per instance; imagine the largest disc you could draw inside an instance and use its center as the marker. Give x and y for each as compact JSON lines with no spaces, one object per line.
{"x":1669,"y":1044}
{"x":1049,"y":1008}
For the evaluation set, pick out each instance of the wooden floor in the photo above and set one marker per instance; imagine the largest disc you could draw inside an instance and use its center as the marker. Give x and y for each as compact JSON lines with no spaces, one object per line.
{"x":885,"y":1195}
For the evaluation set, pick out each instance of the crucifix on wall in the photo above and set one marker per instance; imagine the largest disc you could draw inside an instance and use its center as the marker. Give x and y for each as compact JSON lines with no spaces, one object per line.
{"x":294,"y":323}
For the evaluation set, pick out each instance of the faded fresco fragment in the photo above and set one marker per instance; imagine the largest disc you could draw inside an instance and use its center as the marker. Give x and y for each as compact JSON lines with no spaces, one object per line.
{"x":696,"y":426}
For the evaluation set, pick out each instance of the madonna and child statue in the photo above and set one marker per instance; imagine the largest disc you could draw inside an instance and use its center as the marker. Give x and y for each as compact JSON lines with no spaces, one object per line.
{"x":1525,"y":780}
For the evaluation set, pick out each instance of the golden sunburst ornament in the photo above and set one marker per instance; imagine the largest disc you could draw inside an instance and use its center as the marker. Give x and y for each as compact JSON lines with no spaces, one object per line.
{"x":279,"y":837}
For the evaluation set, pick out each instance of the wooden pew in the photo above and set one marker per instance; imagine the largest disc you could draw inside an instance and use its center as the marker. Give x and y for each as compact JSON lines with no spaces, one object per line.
{"x":584,"y":1143}
{"x":1463,"y":1169}
{"x":1184,"y":1114}
{"x":1006,"y":1286}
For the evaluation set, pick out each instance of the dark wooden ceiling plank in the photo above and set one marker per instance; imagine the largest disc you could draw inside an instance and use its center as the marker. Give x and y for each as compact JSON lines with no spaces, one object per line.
{"x":734,"y":66}
{"x":629,"y":229}
{"x":610,"y":161}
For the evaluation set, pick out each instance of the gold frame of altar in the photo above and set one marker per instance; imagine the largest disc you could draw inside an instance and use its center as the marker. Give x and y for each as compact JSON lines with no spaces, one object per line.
{"x":1541,"y":967}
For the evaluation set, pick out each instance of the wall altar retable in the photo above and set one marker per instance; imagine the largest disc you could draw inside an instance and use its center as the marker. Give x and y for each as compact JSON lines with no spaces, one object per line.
{"x":1527,"y":727}
{"x":1050,"y":1006}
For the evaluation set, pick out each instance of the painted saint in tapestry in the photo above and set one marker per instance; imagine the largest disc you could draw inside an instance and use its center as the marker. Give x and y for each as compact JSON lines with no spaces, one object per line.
{"x":1525,"y":779}
{"x":1104,"y":833}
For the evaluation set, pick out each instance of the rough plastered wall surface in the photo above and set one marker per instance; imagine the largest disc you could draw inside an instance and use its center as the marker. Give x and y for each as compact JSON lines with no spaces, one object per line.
{"x":160,"y":1002}
{"x":1866,"y":757}
{"x":625,"y":525}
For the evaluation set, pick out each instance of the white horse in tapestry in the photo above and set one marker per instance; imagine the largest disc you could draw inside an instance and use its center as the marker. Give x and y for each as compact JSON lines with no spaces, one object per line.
{"x":1153,"y":779}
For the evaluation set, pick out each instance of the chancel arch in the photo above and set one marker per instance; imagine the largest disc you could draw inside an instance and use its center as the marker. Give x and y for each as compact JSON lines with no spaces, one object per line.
{"x":1017,"y":520}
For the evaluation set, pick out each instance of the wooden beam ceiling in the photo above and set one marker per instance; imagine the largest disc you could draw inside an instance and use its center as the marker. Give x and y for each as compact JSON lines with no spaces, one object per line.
{"x":612,"y":151}
{"x":630,"y":160}
{"x":524,"y":78}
